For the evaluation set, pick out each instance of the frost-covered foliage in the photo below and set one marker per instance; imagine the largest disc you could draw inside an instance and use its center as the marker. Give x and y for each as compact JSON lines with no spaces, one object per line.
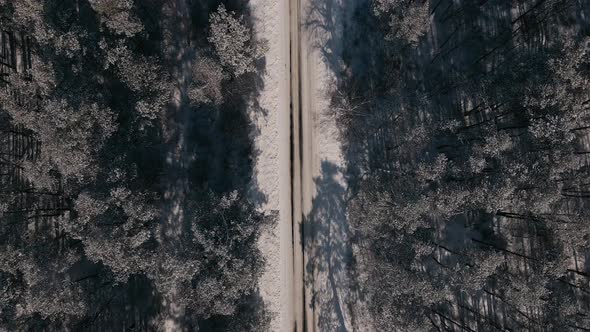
{"x":92,"y":237}
{"x":471,"y":192}
{"x":233,"y":42}
{"x":408,"y":20}
{"x":117,"y":16}
{"x":206,"y":86}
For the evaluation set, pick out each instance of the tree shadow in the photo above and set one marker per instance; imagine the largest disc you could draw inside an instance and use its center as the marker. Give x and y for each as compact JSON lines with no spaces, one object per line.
{"x":328,"y":251}
{"x":353,"y":52}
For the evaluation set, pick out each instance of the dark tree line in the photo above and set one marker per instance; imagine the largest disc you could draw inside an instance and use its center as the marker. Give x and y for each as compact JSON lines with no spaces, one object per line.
{"x":470,"y":170}
{"x":86,"y":87}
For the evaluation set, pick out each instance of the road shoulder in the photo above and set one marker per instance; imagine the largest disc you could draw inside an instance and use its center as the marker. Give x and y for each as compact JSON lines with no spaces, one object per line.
{"x":272,"y":176}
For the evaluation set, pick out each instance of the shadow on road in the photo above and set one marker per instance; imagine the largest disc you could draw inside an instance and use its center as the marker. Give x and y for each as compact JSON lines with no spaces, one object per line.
{"x":329,"y":252}
{"x":350,"y":51}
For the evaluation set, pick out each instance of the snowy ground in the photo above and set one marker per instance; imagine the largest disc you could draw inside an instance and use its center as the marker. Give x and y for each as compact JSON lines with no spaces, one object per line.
{"x":333,"y":299}
{"x":272,"y":165}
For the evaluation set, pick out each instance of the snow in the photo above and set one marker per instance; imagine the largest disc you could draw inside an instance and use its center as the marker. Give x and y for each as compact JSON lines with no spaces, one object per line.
{"x":272,"y":163}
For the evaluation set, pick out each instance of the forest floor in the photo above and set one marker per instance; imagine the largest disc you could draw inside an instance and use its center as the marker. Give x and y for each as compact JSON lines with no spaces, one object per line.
{"x":176,"y":126}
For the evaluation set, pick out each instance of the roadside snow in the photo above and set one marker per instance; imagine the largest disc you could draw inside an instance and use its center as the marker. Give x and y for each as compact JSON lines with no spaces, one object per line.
{"x":272,"y":176}
{"x":332,"y":287}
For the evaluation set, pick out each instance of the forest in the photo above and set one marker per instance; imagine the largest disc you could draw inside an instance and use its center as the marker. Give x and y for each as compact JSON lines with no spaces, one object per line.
{"x":466,"y":128}
{"x":124,"y":160}
{"x":128,"y":165}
